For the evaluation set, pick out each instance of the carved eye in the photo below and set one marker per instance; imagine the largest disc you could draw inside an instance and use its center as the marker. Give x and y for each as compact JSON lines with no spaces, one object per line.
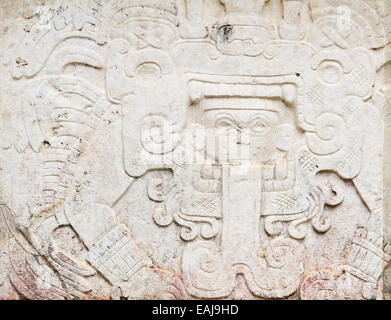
{"x":148,"y":71}
{"x":225,"y":121}
{"x":259,"y":124}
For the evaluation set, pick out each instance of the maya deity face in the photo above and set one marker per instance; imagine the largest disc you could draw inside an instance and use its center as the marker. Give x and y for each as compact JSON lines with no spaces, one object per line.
{"x":248,"y":130}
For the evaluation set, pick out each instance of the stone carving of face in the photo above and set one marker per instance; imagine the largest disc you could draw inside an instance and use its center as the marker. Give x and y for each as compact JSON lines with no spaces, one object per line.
{"x":250,"y":129}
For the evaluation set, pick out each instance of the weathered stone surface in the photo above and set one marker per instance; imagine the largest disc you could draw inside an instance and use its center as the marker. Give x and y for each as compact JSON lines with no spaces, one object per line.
{"x":192,"y":149}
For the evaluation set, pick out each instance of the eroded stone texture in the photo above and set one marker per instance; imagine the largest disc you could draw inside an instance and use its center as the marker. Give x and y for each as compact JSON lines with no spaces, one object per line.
{"x":191,"y":149}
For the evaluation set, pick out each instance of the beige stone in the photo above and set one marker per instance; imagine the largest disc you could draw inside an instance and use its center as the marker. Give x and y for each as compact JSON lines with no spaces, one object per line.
{"x":193,"y":149}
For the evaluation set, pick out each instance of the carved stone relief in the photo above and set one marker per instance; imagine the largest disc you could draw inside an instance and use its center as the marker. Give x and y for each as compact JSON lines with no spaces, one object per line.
{"x":193,"y":149}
